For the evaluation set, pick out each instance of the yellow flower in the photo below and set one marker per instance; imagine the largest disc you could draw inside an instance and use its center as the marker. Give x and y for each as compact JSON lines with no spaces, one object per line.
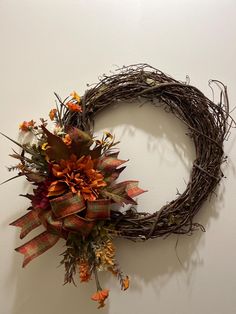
{"x":108,"y":134}
{"x":75,"y":96}
{"x":106,"y":254}
{"x":44,"y":146}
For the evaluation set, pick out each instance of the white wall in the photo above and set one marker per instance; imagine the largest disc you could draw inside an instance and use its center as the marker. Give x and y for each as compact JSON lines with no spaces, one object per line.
{"x":59,"y":45}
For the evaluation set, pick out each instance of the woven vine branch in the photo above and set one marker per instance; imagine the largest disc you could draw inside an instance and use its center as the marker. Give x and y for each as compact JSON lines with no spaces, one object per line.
{"x":208,"y":124}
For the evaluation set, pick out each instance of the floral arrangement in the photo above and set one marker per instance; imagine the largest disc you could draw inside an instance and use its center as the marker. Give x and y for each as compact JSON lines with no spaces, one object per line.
{"x":74,"y":178}
{"x":76,"y":195}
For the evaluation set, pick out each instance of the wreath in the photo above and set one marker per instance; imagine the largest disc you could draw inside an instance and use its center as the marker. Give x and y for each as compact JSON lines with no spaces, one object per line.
{"x":74,"y":175}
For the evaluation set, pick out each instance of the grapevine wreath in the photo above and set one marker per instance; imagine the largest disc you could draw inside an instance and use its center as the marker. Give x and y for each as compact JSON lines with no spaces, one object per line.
{"x":74,"y":175}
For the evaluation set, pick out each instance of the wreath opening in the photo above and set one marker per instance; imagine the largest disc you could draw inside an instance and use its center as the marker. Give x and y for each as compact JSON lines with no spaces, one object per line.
{"x":75,"y":175}
{"x":158,"y":147}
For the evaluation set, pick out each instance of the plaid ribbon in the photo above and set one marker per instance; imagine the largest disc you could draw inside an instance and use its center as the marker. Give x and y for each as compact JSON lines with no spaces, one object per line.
{"x":109,"y":163}
{"x":99,"y":209}
{"x":79,"y":224}
{"x":130,"y":187}
{"x":67,"y":205}
{"x":37,"y":246}
{"x":27,"y":222}
{"x":63,"y":217}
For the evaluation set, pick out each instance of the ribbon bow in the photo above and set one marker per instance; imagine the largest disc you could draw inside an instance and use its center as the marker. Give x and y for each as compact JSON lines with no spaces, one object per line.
{"x":66,"y":214}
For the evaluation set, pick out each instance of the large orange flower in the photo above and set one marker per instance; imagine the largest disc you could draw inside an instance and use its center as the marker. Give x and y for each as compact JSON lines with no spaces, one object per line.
{"x":77,"y":175}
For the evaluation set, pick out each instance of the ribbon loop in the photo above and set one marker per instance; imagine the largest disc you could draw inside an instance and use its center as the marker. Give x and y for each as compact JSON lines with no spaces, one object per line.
{"x":99,"y":209}
{"x":50,"y":223}
{"x":76,"y":223}
{"x":67,"y":204}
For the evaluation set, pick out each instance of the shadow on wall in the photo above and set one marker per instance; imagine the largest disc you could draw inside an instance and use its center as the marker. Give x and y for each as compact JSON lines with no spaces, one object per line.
{"x":154,"y":121}
{"x":39,"y":287}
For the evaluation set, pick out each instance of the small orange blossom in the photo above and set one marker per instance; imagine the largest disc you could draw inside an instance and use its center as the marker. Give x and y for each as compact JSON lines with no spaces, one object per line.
{"x":27,"y":126}
{"x":100,"y":296}
{"x":74,"y":107}
{"x":67,"y":139}
{"x":84,"y":272}
{"x":126,"y":283}
{"x":52,"y":114}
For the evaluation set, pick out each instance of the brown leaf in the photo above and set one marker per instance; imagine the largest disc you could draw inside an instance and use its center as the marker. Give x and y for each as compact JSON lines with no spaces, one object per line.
{"x":57,"y":149}
{"x":81,"y":142}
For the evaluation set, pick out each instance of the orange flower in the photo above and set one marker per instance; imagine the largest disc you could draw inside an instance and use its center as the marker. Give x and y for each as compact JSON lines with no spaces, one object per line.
{"x":78,"y":175}
{"x":100,"y":296}
{"x":67,"y":140}
{"x":74,"y":107}
{"x":52,"y":114}
{"x":125,"y":283}
{"x":84,"y":272}
{"x":27,"y":126}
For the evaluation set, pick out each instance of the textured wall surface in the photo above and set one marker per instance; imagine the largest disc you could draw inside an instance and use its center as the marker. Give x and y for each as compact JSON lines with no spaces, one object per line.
{"x":60,"y":45}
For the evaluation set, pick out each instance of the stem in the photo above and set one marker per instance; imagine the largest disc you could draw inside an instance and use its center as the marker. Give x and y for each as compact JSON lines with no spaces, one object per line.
{"x":99,"y":288}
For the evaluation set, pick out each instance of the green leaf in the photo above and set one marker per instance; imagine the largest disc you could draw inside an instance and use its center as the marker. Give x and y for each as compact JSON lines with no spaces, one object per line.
{"x":18,"y":144}
{"x":12,"y":178}
{"x":35,"y":177}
